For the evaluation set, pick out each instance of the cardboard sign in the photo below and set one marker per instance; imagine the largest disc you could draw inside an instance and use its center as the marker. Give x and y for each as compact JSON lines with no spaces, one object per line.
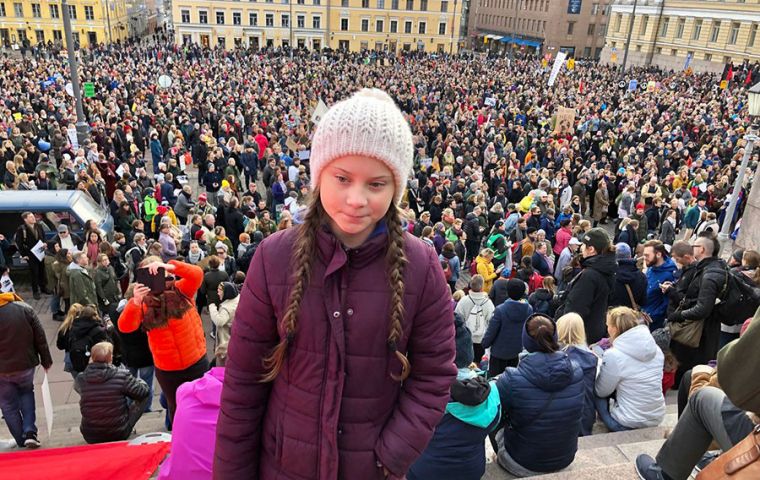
{"x":319,"y":112}
{"x":291,"y":144}
{"x":565,"y":121}
{"x":47,"y":403}
{"x":89,"y":89}
{"x":490,"y":101}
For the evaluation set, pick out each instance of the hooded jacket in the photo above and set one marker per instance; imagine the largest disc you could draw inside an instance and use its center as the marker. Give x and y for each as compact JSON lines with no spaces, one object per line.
{"x":223,"y":316}
{"x":588,"y":361}
{"x":465,"y":306}
{"x":590,"y":292}
{"x":334,"y":411}
{"x":103,"y":390}
{"x":504,"y":333}
{"x":657,"y":302}
{"x":457,"y":449}
{"x":81,"y":285}
{"x":543,"y":398}
{"x":22,"y":338}
{"x":633,"y":369}
{"x":628,"y":274}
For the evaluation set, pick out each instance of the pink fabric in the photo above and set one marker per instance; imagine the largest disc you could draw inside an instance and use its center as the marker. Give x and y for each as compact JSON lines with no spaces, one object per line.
{"x":194,"y":428}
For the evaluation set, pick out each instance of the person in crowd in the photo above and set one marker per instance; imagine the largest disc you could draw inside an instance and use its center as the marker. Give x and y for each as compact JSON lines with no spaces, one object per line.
{"x":564,"y":260}
{"x":628,"y":279}
{"x":65,"y":239}
{"x":28,"y":236}
{"x":542,"y":299}
{"x":24,"y":346}
{"x":111,"y":400}
{"x":505,"y":327}
{"x":80,"y":330}
{"x":632,"y":371}
{"x":363,"y":244}
{"x":485,"y":268}
{"x":449,"y":256}
{"x":135,"y":351}
{"x":82,"y":288}
{"x":223,"y":314}
{"x":543,"y":402}
{"x":106,"y":286}
{"x":226,"y":262}
{"x":572,"y":338}
{"x":660,"y":270}
{"x":588,"y":294}
{"x":175,"y":331}
{"x":476,"y":308}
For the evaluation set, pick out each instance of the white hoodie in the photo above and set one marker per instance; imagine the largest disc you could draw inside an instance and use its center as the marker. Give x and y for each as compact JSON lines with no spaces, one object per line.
{"x":633,"y":368}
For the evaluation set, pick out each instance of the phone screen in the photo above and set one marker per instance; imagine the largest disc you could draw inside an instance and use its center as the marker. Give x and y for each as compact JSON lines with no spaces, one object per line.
{"x":156,"y":283}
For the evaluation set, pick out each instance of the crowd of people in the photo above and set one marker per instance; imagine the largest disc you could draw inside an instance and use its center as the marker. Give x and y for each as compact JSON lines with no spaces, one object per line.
{"x":608,"y":227}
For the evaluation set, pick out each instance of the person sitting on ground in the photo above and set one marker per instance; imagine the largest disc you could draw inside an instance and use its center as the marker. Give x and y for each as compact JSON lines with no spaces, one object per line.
{"x":543,"y":401}
{"x":572,"y":338}
{"x":104,"y":390}
{"x":503,"y":333}
{"x":632,"y":369}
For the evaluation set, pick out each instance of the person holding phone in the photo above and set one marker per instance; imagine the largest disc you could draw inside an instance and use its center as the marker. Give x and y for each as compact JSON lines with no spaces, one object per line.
{"x":175,"y":332}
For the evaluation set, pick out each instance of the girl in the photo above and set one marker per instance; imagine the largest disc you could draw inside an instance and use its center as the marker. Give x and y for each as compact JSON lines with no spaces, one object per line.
{"x":572,"y":339}
{"x":313,"y":385}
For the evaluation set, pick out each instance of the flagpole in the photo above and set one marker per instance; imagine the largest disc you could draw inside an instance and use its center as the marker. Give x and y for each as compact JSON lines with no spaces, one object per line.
{"x":628,"y":41}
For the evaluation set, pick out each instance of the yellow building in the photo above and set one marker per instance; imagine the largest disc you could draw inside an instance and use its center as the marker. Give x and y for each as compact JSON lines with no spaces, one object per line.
{"x":673,"y":33}
{"x":430,"y":25}
{"x":92,"y":21}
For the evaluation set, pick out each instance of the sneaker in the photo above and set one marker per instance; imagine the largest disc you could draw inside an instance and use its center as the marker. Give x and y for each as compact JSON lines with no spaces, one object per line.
{"x":648,"y":469}
{"x":30,"y":440}
{"x":8,"y":445}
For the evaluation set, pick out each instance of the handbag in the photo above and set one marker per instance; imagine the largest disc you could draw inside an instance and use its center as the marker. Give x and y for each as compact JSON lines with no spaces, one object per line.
{"x":642,"y":314}
{"x":688,"y":332}
{"x":742,"y":462}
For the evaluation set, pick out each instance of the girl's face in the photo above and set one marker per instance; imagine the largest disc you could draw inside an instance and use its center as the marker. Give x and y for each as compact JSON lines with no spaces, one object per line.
{"x":356,"y":192}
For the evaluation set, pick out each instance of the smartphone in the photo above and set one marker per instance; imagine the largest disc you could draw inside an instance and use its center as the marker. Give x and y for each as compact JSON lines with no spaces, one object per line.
{"x":156,"y":283}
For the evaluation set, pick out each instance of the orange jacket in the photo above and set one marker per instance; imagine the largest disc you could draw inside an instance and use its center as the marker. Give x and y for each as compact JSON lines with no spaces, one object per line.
{"x":182,"y":342}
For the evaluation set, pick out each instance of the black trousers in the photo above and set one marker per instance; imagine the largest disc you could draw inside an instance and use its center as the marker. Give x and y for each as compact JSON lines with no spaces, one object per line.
{"x":37,"y":271}
{"x":496,"y":366}
{"x":171,"y":380}
{"x":478,"y":352}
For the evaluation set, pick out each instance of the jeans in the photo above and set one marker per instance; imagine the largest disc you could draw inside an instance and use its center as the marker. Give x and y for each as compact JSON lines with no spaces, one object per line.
{"x":55,"y":304}
{"x":603,"y":409}
{"x":146,"y":375}
{"x":709,"y":416}
{"x":17,"y":403}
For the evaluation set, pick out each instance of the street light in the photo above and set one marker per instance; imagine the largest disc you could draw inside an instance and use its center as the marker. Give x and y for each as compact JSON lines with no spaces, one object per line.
{"x":628,"y":41}
{"x":751,"y":137}
{"x":83,"y":130}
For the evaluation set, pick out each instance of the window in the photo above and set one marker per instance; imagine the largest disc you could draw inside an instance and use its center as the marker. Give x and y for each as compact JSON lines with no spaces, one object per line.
{"x":253,"y":19}
{"x":316,"y":23}
{"x":2,"y":9}
{"x":365,"y":3}
{"x":221,"y":41}
{"x":444,"y":6}
{"x":644,"y":25}
{"x":285,"y":20}
{"x":602,"y":29}
{"x":394,"y":26}
{"x":269,"y":20}
{"x":423,"y":5}
{"x":54,"y":12}
{"x":570,"y":28}
{"x":394,"y":4}
{"x":380,"y":4}
{"x":442,"y":28}
{"x":344,"y":3}
{"x":410,"y":4}
{"x":673,"y":52}
{"x":89,"y":13}
{"x":237,"y":18}
{"x":664,"y":27}
{"x":407,"y":27}
{"x":697,"y":32}
{"x":752,"y":35}
{"x":379,"y":26}
{"x":715,"y":31}
{"x":202,"y":17}
{"x":39,"y":36}
{"x":365,"y":25}
{"x":300,"y":21}
{"x":708,"y":57}
{"x":734,"y":34}
{"x":75,"y":37}
{"x":594,"y":9}
{"x":591,"y":29}
{"x":185,"y":16}
{"x":343,"y":24}
{"x":36,"y":13}
{"x":618,"y":21}
{"x":421,"y":28}
{"x":18,"y":9}
{"x":220,"y":18}
{"x":316,"y":42}
{"x":587,"y":52}
{"x":57,"y":36}
{"x":73,"y":12}
{"x":680,"y":26}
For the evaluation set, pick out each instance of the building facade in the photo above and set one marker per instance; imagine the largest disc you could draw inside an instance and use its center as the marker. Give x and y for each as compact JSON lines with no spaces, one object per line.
{"x":92,"y":21}
{"x":430,"y":25}
{"x":577,"y":27}
{"x":676,"y":34}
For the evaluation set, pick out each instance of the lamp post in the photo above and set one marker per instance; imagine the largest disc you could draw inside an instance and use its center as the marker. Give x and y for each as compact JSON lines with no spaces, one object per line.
{"x":628,"y":41}
{"x":83,"y":130}
{"x":751,"y":137}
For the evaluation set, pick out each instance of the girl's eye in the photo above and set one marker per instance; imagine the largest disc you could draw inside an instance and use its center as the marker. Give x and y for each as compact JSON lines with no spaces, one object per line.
{"x":341,"y":179}
{"x":377,"y":185}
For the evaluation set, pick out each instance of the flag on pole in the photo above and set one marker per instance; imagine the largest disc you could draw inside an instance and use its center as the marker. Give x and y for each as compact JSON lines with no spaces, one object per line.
{"x":558,"y":62}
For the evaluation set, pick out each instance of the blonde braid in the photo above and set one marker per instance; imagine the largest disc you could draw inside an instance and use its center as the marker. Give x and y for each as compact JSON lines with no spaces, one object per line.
{"x":396,"y":261}
{"x":301,"y":261}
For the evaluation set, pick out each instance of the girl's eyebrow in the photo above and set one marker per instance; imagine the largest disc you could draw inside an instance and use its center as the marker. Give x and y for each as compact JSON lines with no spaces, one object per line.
{"x":381,"y":177}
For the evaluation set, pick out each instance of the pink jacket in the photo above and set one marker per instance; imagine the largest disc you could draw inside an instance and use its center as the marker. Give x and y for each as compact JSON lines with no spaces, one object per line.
{"x":562,"y":239}
{"x":194,"y":428}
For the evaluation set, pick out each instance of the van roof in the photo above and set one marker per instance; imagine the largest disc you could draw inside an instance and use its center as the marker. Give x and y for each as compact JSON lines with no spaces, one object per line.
{"x":37,"y":200}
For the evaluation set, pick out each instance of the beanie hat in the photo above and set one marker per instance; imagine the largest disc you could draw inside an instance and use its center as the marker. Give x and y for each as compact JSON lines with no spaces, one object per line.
{"x":463,"y":339}
{"x":229,"y":291}
{"x":738,"y":255}
{"x":515,"y":288}
{"x":368,"y":123}
{"x":221,"y":245}
{"x":202,"y":197}
{"x":529,"y":343}
{"x":597,"y":238}
{"x":622,"y":251}
{"x":198,"y":235}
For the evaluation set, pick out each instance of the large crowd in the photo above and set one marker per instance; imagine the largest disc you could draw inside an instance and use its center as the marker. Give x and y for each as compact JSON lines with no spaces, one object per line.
{"x":608,"y":226}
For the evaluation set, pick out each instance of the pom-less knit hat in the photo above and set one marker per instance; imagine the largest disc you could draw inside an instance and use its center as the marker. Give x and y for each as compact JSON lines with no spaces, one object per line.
{"x":368,"y":123}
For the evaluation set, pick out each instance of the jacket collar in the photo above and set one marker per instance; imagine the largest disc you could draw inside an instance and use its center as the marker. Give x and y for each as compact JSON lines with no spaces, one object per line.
{"x":335,"y":255}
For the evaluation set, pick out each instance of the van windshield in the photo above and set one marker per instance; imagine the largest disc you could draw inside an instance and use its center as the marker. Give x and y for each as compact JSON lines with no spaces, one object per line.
{"x":86,"y":209}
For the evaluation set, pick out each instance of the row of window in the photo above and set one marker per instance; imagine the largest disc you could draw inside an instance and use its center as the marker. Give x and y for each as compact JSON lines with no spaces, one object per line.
{"x":54,"y":10}
{"x":378,"y":4}
{"x":696,"y":30}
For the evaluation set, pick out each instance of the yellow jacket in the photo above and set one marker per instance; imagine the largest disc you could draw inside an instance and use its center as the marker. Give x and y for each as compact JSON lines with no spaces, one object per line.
{"x":487,"y":271}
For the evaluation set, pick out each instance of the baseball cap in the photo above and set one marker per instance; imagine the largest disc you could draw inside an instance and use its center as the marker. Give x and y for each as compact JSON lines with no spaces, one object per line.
{"x":597,"y":238}
{"x":63,"y":229}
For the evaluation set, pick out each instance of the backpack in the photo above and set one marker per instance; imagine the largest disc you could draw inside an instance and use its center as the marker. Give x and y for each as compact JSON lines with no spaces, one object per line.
{"x":130,"y":260}
{"x":477,"y":316}
{"x":739,"y":299}
{"x":474,"y":267}
{"x":446,"y":270}
{"x":79,"y":352}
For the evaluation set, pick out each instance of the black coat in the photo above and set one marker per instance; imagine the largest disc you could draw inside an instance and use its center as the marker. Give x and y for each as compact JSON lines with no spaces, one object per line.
{"x":234,"y":225}
{"x":103,"y":390}
{"x":135,"y":350}
{"x":589,"y":294}
{"x":498,"y":293}
{"x":22,"y":339}
{"x":628,"y":274}
{"x":26,"y":238}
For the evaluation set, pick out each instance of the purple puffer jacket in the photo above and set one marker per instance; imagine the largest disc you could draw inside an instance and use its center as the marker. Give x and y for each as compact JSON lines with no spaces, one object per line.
{"x":334,"y":411}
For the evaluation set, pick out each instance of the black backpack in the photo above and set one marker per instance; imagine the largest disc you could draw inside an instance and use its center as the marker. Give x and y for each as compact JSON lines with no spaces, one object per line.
{"x":79,"y":352}
{"x":246,"y":257}
{"x":739,"y":299}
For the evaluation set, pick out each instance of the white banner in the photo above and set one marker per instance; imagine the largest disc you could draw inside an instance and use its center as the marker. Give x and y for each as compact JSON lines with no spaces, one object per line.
{"x":319,"y":112}
{"x":558,"y":62}
{"x":47,"y":403}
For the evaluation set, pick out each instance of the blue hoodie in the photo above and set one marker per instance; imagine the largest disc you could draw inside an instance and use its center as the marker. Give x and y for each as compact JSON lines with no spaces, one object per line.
{"x":504,"y":333}
{"x":657,"y":302}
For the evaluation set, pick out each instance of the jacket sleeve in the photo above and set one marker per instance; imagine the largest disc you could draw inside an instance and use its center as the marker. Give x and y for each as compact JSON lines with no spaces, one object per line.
{"x":190,"y":277}
{"x":40,"y":340}
{"x":581,"y":295}
{"x":424,"y":394}
{"x":609,"y":375}
{"x":494,"y":326}
{"x":219,"y":316}
{"x":244,"y":397}
{"x":135,"y":388}
{"x":709,"y":289}
{"x":131,"y":317}
{"x":737,"y":368}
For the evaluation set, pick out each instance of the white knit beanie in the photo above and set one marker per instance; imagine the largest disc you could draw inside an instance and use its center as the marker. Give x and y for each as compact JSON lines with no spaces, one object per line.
{"x":368,"y":123}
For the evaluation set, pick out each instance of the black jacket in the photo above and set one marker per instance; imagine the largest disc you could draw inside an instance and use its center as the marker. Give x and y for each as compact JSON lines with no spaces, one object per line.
{"x":75,"y":239}
{"x":589,"y":294}
{"x":103,"y":390}
{"x":26,"y":239}
{"x":628,"y":274}
{"x":22,"y":339}
{"x":498,"y":293}
{"x":135,"y":350}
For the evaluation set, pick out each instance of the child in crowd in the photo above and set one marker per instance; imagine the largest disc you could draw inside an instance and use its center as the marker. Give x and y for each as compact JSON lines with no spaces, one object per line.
{"x":505,"y":327}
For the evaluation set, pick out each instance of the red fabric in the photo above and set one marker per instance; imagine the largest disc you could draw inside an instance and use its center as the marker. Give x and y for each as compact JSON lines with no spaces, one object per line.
{"x":668,"y":380}
{"x":105,"y":460}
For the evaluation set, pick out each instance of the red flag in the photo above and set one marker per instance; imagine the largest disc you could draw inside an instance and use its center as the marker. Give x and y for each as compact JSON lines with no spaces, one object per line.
{"x":580,"y":87}
{"x":730,"y":74}
{"x":748,"y":80}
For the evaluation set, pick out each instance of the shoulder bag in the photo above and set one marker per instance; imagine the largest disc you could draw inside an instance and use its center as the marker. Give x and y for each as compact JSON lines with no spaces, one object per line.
{"x":742,"y":462}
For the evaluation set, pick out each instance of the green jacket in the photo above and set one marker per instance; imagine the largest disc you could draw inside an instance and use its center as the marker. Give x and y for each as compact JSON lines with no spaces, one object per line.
{"x":106,"y":285}
{"x":738,"y":363}
{"x":81,"y":286}
{"x":149,"y":207}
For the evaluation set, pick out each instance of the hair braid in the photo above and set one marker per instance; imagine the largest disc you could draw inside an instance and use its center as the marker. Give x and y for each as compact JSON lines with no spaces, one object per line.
{"x":301,"y":261}
{"x":396,"y":261}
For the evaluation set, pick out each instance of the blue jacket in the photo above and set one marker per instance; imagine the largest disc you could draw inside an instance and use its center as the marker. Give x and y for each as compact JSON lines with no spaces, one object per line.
{"x":547,"y":225}
{"x":504,"y":332}
{"x":588,"y":363}
{"x":541,"y":265}
{"x":657,"y":302}
{"x":457,"y":449}
{"x":156,"y":151}
{"x":544,"y":399}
